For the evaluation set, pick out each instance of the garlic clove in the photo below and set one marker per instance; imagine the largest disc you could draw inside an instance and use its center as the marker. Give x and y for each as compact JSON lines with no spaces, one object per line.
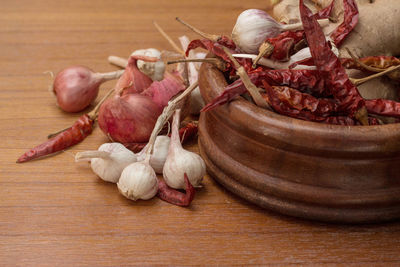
{"x":159,"y":155}
{"x":138,"y":181}
{"x":252,"y":27}
{"x":108,"y":161}
{"x":180,"y":161}
{"x":155,"y":70}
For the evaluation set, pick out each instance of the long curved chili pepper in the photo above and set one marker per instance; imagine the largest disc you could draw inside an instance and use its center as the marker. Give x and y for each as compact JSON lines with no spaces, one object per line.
{"x":383,"y":107}
{"x":379,"y":62}
{"x":301,"y":101}
{"x":329,"y":66}
{"x":374,"y":64}
{"x":174,"y":196}
{"x":307,"y":81}
{"x":285,"y":109}
{"x":66,"y":138}
{"x":350,"y":21}
{"x":72,"y":136}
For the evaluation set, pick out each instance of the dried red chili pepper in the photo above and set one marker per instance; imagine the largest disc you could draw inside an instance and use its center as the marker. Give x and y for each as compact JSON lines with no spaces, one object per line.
{"x":71,"y":136}
{"x":383,"y":107}
{"x":285,"y":108}
{"x":374,"y":64}
{"x":67,"y":137}
{"x":174,"y":196}
{"x":301,"y":101}
{"x":379,"y":62}
{"x":307,"y":81}
{"x":283,"y":45}
{"x":329,"y":66}
{"x":350,"y":21}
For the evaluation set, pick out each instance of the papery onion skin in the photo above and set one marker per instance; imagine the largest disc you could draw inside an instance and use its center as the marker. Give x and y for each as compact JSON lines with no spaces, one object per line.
{"x":76,"y":87}
{"x":129,"y":118}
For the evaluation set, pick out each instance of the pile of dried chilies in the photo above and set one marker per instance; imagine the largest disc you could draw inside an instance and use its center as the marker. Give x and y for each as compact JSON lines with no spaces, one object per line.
{"x":315,"y":88}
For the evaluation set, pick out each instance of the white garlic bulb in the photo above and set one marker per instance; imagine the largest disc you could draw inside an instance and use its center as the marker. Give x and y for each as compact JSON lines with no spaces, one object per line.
{"x":155,"y":70}
{"x":180,"y":161}
{"x":159,"y":155}
{"x":138,"y":181}
{"x":108,"y":161}
{"x":254,"y":26}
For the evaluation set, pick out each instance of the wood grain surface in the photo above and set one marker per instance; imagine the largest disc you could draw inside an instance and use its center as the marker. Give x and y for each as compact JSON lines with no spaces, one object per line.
{"x":57,"y":212}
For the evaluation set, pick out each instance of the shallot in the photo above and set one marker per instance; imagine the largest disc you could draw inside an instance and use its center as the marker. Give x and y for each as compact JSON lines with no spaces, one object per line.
{"x":130,"y":118}
{"x":77,"y":87}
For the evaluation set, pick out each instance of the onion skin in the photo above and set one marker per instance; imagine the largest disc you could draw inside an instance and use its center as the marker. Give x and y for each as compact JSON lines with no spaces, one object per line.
{"x":76,"y":87}
{"x":129,"y":118}
{"x":133,"y":81}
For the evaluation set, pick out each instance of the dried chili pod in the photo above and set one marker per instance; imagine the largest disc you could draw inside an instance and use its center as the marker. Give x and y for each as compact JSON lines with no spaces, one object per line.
{"x":349,"y":22}
{"x":330,"y":68}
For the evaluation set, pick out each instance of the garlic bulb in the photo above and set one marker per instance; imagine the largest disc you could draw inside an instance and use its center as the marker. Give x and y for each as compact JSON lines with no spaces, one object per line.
{"x":253,"y":26}
{"x":180,"y":161}
{"x":138,"y":181}
{"x":159,"y":155}
{"x":108,"y":161}
{"x":155,"y":70}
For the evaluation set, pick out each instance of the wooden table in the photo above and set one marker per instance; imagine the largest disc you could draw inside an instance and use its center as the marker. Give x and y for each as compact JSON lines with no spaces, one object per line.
{"x":57,"y":212}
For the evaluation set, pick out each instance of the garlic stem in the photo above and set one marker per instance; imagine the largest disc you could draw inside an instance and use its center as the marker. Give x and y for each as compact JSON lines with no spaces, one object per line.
{"x":169,"y":39}
{"x":87,"y":155}
{"x":110,"y":75}
{"x":165,"y":115}
{"x":299,"y":25}
{"x":216,"y":61}
{"x":265,"y":61}
{"x":376,"y":75}
{"x":211,"y":37}
{"x":118,"y":61}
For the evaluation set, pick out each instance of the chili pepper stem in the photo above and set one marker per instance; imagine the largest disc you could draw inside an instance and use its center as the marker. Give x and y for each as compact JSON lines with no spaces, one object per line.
{"x":211,"y":37}
{"x":362,"y":115}
{"x":57,"y":133}
{"x":118,"y":61}
{"x":215,"y":61}
{"x":253,"y":90}
{"x":366,"y":79}
{"x":169,"y":39}
{"x":265,"y":50}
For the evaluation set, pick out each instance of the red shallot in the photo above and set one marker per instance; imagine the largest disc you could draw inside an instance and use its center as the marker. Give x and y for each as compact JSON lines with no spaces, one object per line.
{"x":77,"y":87}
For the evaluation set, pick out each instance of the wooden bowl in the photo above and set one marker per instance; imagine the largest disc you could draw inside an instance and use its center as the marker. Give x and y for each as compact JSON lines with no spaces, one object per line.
{"x":299,"y":168}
